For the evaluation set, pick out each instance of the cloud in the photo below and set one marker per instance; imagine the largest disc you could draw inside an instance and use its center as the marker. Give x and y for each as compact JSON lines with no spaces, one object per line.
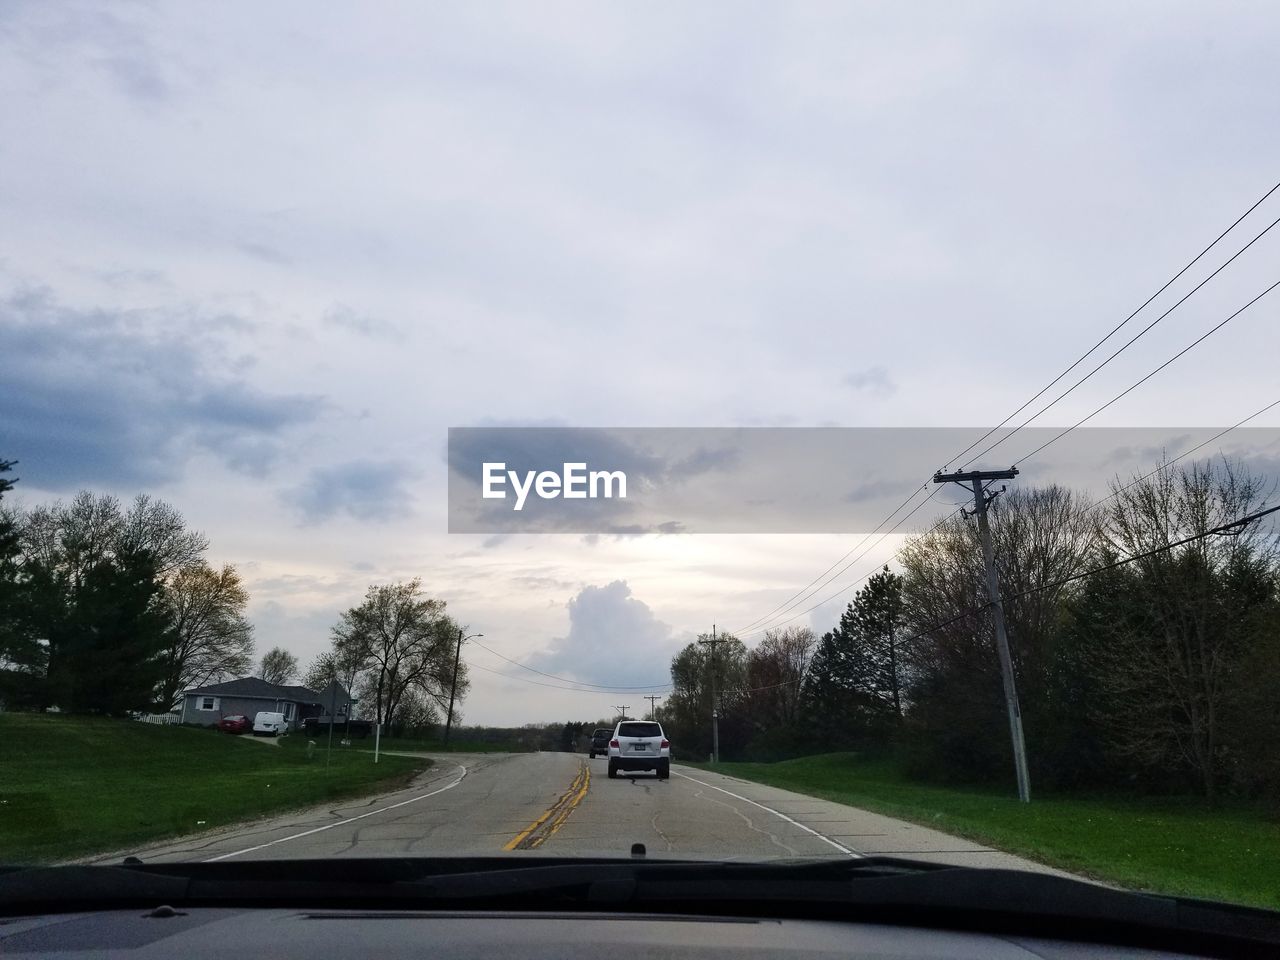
{"x":120,"y":47}
{"x":260,"y":251}
{"x":873,"y":381}
{"x":361,"y":489}
{"x":613,"y":639}
{"x":345,"y":318}
{"x":126,"y":397}
{"x":875,"y":490}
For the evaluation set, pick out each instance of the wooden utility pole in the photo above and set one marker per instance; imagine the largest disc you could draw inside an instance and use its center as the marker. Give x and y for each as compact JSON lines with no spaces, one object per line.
{"x":453,"y":683}
{"x":715,"y":708}
{"x":652,"y":700}
{"x":622,"y":711}
{"x":978,"y":480}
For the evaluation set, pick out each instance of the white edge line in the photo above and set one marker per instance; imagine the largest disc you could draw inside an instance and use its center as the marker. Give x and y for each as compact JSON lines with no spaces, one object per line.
{"x":339,"y":823}
{"x":782,"y":816}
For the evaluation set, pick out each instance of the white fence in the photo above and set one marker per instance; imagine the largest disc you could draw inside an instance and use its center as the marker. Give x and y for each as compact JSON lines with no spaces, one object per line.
{"x":163,"y":719}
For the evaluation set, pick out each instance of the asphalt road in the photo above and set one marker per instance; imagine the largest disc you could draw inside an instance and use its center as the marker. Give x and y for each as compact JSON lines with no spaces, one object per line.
{"x":564,"y":804}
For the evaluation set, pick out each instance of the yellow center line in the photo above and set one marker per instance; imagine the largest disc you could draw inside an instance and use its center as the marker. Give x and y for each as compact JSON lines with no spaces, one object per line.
{"x":561,"y":809}
{"x":569,"y":808}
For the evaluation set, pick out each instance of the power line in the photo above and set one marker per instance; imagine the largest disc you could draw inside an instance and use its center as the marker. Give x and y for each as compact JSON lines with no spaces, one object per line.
{"x":581,"y":683}
{"x":552,"y":686}
{"x":764,"y":623}
{"x":805,"y":592}
{"x":1128,"y":344}
{"x":1129,"y":389}
{"x":846,"y":587}
{"x":1164,"y":466}
{"x":1062,"y":581}
{"x":1116,"y":329}
{"x":785,"y":603}
{"x":1186,"y":453}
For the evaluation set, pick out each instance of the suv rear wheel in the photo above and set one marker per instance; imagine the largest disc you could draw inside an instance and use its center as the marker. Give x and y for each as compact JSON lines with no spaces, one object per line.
{"x":664,"y":770}
{"x":613,"y":770}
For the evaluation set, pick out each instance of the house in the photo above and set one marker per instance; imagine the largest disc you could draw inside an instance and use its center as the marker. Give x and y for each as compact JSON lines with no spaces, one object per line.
{"x":249,"y":696}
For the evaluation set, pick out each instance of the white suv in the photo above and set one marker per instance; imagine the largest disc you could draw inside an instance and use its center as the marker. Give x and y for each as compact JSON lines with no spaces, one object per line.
{"x":640,"y":745}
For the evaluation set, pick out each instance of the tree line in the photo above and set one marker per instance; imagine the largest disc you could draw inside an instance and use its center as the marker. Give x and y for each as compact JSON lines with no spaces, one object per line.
{"x":1156,"y":674}
{"x":107,"y":608}
{"x":113,"y":609}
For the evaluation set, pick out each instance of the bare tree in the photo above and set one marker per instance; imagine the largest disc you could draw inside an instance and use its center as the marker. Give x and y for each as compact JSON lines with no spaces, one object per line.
{"x":160,"y":530}
{"x":775,"y":674}
{"x":210,"y":638}
{"x":76,"y":536}
{"x":404,"y":641}
{"x":278,"y":666}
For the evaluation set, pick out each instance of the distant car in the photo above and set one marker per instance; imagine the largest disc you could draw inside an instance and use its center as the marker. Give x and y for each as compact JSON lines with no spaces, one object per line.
{"x":640,"y":745}
{"x":600,"y":742}
{"x":269,"y":724}
{"x":234,"y":724}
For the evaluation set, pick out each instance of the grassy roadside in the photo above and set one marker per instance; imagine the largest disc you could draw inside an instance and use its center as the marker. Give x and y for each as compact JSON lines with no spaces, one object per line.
{"x":73,"y":786}
{"x":1162,"y":845}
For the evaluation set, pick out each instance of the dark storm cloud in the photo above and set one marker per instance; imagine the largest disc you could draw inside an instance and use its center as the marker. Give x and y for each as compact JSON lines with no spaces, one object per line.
{"x":124,"y":398}
{"x":360,"y":489}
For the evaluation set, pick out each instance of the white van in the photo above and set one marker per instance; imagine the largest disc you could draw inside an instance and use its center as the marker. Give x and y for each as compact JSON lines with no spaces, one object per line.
{"x":269,"y":725}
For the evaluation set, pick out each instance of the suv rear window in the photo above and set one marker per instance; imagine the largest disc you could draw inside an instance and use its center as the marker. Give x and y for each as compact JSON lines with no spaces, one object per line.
{"x":639,"y":730}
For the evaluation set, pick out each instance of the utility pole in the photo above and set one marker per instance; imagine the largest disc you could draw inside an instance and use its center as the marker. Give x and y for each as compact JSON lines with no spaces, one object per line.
{"x":715,"y":708}
{"x":652,"y":700}
{"x":622,"y":711}
{"x":978,"y":480}
{"x":453,"y":683}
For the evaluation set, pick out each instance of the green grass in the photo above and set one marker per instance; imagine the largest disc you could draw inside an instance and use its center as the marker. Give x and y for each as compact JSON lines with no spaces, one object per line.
{"x":1175,"y":846}
{"x":73,"y":786}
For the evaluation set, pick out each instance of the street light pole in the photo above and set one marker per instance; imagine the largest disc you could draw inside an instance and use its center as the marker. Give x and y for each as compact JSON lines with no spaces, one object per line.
{"x":453,"y":683}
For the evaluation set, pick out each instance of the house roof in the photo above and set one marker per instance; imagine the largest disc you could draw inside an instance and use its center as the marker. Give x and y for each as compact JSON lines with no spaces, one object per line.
{"x":255,"y":688}
{"x":335,"y":692}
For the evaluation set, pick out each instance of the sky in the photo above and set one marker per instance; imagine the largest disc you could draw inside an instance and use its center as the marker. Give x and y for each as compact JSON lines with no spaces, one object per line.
{"x":257,"y":259}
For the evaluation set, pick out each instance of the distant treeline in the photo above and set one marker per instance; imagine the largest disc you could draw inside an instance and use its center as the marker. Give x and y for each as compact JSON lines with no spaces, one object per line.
{"x":1159,"y":674}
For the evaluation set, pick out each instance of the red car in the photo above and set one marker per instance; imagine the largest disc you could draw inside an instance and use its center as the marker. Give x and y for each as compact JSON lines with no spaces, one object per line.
{"x":234,"y":724}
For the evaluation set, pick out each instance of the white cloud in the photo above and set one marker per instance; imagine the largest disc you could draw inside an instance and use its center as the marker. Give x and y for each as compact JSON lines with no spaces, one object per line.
{"x":614,"y":638}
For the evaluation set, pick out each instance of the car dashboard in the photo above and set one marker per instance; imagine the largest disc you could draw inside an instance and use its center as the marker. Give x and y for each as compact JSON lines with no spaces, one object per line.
{"x":216,"y":933}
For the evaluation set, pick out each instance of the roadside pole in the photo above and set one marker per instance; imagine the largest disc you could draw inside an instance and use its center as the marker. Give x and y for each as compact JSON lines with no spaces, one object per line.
{"x":333,"y":700}
{"x":715,"y":706}
{"x":377,"y":740}
{"x":976,"y":480}
{"x":453,"y":683}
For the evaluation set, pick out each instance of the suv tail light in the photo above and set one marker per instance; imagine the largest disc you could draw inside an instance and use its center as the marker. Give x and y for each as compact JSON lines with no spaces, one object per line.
{"x":665,"y":744}
{"x":613,"y":743}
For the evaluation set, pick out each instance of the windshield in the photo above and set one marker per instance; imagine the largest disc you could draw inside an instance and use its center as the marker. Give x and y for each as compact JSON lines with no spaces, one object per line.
{"x":868,"y":417}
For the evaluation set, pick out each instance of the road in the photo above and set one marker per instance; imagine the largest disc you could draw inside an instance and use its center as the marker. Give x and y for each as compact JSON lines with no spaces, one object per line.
{"x":564,"y":804}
